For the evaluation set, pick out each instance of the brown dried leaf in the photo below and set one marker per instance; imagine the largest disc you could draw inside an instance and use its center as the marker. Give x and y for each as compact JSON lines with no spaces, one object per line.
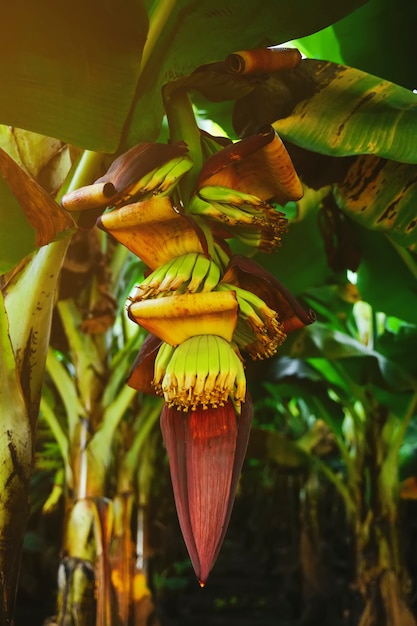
{"x":45,"y":215}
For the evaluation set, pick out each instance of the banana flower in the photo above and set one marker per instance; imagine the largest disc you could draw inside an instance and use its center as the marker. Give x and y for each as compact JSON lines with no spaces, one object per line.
{"x":207,"y":414}
{"x":203,"y":308}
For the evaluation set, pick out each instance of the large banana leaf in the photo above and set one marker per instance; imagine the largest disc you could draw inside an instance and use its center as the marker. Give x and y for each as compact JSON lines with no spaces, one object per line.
{"x":344,"y":111}
{"x":385,"y":279}
{"x":388,"y":45}
{"x":69,"y":70}
{"x":378,"y":38}
{"x":72,"y":71}
{"x":381,"y":195}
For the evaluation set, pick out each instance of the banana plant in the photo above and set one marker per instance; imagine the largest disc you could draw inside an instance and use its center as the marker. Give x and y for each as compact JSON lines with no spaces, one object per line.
{"x":24,"y":349}
{"x":126,"y":105}
{"x":368,"y":409}
{"x":99,"y":548}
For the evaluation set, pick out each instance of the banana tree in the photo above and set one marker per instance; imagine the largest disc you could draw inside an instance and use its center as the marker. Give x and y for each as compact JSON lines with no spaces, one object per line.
{"x":360,"y":382}
{"x":102,"y":507}
{"x":170,"y":40}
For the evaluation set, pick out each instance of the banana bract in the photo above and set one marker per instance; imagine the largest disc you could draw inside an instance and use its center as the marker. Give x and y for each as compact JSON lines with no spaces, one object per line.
{"x":153,"y":230}
{"x":206,"y":449}
{"x":177,"y":318}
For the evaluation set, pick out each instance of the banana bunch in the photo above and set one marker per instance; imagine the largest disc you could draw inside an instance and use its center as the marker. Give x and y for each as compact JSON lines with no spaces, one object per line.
{"x":258,"y":329}
{"x":145,"y":170}
{"x":188,"y":273}
{"x":204,"y":370}
{"x":253,"y":221}
{"x":160,"y":181}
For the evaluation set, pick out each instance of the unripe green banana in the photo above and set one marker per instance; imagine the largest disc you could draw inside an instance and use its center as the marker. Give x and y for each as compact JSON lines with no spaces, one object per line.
{"x":247,"y":310}
{"x":225,"y":195}
{"x":184,"y":270}
{"x":260,"y":319}
{"x":165,"y":354}
{"x":204,"y":371}
{"x":158,"y":181}
{"x":212,"y":278}
{"x":201,"y":268}
{"x":214,"y":368}
{"x":170,"y":275}
{"x":151,"y":284}
{"x":201,"y":391}
{"x":198,"y":206}
{"x":163,"y":179}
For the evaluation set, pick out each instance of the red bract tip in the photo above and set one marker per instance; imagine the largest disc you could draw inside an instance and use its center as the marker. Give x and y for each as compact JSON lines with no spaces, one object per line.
{"x":206,"y":449}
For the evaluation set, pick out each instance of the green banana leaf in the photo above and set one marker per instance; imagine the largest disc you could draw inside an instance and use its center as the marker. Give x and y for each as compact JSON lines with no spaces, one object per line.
{"x":323,"y":45}
{"x":386,"y":277}
{"x":345,"y":112}
{"x":378,"y":38}
{"x":380,"y":195}
{"x":387,"y":44}
{"x":202,"y":32}
{"x":69,"y":71}
{"x":300,"y":263}
{"x":73,"y":72}
{"x":321,"y":341}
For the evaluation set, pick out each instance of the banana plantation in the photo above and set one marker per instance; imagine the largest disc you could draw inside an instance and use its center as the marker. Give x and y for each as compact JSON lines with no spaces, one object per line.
{"x":208,"y":313}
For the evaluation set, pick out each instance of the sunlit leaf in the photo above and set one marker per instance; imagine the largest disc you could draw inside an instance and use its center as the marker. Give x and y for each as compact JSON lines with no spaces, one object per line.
{"x":319,"y":341}
{"x":322,"y":45}
{"x":344,"y":111}
{"x":71,"y":72}
{"x":31,"y":151}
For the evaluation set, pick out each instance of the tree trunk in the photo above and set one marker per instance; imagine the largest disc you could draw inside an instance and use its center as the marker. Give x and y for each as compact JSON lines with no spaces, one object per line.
{"x":380,"y":575}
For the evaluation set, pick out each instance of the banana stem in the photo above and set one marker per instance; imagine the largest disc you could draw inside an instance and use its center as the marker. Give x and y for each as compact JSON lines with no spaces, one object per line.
{"x":84,"y":171}
{"x":16,"y":458}
{"x":183,"y":127}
